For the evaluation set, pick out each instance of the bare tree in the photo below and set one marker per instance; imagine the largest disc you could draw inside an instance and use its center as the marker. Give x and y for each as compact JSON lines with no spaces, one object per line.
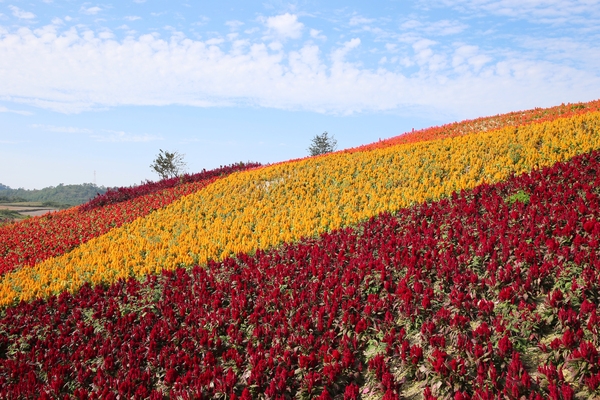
{"x":322,"y":144}
{"x":168,"y":165}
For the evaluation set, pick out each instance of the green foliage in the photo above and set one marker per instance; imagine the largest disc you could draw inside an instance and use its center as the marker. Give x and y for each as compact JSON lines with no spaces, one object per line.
{"x":168,"y":165}
{"x":520,"y":196}
{"x":54,"y":204}
{"x":7,"y":199}
{"x":8,"y":215}
{"x":61,"y":196}
{"x":322,"y":144}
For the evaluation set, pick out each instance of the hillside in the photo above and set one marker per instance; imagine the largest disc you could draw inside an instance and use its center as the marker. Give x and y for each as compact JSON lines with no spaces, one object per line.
{"x":61,"y":195}
{"x":456,"y":262}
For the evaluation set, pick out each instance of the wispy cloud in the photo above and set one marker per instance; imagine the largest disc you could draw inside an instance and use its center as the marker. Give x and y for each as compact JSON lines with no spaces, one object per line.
{"x":316,"y":34}
{"x":437,"y":28}
{"x":132,"y":17}
{"x":7,"y":110}
{"x":358,"y":20}
{"x":536,"y":11}
{"x":21,"y":14}
{"x":234,"y":24}
{"x":90,"y":10}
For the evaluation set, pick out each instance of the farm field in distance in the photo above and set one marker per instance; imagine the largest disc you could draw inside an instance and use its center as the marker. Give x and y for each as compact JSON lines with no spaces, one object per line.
{"x":455,"y":262}
{"x":11,"y":212}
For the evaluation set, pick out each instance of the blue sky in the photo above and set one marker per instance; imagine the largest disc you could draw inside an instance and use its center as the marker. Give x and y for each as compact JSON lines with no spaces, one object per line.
{"x":97,"y":88}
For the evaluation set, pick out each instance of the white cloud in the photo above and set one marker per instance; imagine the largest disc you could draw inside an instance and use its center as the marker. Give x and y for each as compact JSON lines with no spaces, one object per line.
{"x":411,"y":24}
{"x":132,"y":17}
{"x":106,"y":34}
{"x":21,"y":14}
{"x":139,"y":1}
{"x":426,"y":57}
{"x":467,"y":58}
{"x":338,"y":55}
{"x":358,"y":20}
{"x":438,"y":28}
{"x":202,"y":20}
{"x":461,"y":79}
{"x":284,"y":26}
{"x":275,"y":46}
{"x":316,"y":34}
{"x":90,"y":10}
{"x":234,"y":25}
{"x":214,"y":41}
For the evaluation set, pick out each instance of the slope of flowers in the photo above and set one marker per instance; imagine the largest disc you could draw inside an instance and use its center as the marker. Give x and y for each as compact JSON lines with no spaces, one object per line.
{"x":490,"y":293}
{"x":34,"y":240}
{"x":112,"y":196}
{"x":484,"y":124}
{"x":262,"y":208}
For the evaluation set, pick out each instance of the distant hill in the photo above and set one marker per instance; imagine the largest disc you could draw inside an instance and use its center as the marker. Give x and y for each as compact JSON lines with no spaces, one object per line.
{"x":65,"y":195}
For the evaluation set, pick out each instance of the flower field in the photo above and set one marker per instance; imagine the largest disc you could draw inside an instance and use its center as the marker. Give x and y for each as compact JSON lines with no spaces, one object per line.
{"x":264,"y":207}
{"x":459,"y":262}
{"x":38,"y":239}
{"x":490,"y":293}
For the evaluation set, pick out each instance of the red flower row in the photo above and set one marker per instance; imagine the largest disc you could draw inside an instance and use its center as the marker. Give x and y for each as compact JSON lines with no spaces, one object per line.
{"x":461,"y":298}
{"x":31,"y":241}
{"x":121,"y":194}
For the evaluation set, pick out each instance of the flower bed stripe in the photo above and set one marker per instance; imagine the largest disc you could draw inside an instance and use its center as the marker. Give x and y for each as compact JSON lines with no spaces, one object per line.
{"x":262,"y":208}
